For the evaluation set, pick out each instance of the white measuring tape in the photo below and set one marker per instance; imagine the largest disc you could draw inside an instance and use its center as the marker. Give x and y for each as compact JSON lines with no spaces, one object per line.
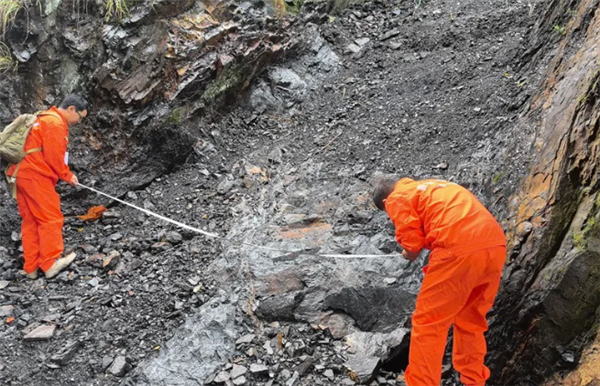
{"x":208,"y":234}
{"x":179,"y":224}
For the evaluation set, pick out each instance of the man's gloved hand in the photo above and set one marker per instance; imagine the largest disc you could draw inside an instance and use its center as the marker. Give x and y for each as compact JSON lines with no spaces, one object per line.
{"x":410,"y":256}
{"x":73,"y":181}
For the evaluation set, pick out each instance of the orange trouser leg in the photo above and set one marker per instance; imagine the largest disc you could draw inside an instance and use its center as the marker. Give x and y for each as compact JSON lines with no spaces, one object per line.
{"x":445,"y":292}
{"x":469,"y":347}
{"x":29,"y":236}
{"x":38,"y":200}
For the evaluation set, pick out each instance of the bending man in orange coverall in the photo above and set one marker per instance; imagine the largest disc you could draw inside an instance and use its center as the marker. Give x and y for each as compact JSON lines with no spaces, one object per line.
{"x":468,"y":250}
{"x":37,"y":175}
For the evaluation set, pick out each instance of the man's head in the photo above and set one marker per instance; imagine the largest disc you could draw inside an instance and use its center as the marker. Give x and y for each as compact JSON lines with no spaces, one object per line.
{"x":383,"y":188}
{"x":74,"y":108}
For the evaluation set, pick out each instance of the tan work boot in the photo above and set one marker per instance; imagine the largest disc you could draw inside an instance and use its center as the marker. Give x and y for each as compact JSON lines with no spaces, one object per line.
{"x":60,"y":264}
{"x":33,"y":275}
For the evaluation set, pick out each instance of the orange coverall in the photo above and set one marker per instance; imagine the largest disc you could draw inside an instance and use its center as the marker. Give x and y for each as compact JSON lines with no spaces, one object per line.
{"x":468,"y":251}
{"x":38,"y":202}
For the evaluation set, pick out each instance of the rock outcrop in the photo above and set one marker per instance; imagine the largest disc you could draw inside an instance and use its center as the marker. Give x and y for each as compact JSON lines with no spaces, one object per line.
{"x":547,"y":313}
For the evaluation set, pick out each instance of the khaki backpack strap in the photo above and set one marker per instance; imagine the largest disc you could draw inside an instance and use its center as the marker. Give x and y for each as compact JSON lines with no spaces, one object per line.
{"x":49,"y":113}
{"x":12,"y":180}
{"x":6,"y":174}
{"x":33,"y":150}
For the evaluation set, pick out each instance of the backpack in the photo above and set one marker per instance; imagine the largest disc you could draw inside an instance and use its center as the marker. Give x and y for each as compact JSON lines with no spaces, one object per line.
{"x":13,"y":137}
{"x":12,"y":144}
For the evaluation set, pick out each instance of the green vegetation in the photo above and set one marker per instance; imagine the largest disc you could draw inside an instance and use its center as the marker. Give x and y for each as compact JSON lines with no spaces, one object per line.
{"x":229,"y":78}
{"x":114,"y":9}
{"x":579,"y":241}
{"x":497,"y":177}
{"x":295,"y":7}
{"x":175,"y":116}
{"x":590,"y":228}
{"x":560,"y":29}
{"x":118,"y":8}
{"x":283,"y":7}
{"x":6,"y":60}
{"x":8,"y":12}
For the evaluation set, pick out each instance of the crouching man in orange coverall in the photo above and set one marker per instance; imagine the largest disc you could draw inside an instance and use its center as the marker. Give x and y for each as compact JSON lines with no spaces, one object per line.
{"x":36,"y":178}
{"x":468,"y":251}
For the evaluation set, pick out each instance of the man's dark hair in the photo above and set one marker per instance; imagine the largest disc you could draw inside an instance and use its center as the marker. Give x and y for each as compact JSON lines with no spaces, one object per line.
{"x":383,"y":189}
{"x":75,"y":100}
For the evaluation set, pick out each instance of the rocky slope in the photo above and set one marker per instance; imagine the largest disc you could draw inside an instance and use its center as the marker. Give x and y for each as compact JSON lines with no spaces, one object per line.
{"x":268,"y":130}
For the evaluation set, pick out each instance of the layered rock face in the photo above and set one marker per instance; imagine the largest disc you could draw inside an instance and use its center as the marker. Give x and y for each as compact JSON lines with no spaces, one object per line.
{"x":546,"y":320}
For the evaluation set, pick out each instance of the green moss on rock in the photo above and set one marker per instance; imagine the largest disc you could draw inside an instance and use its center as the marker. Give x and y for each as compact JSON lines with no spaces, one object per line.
{"x":590,"y":228}
{"x":229,"y":79}
{"x":175,"y":116}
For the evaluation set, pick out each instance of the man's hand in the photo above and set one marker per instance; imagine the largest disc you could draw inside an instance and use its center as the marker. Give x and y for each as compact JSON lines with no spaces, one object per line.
{"x":410,"y":256}
{"x":73,"y":181}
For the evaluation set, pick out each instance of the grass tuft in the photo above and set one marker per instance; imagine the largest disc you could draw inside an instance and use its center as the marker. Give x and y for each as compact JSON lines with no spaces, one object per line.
{"x":560,"y":29}
{"x":8,"y":12}
{"x":6,"y":60}
{"x":116,"y":9}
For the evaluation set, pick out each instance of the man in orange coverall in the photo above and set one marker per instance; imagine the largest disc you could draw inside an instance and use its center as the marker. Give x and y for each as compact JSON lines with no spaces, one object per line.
{"x":37,"y":175}
{"x":468,"y":251}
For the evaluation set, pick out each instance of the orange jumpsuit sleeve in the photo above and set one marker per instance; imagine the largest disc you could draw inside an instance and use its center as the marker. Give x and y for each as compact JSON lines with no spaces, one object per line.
{"x":409,"y":230}
{"x":54,"y":145}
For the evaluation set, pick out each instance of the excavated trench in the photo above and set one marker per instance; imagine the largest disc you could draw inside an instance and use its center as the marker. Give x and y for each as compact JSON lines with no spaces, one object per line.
{"x":267,"y":124}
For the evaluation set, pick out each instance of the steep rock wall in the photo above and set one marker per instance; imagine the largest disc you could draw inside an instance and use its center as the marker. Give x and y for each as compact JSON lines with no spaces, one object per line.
{"x":547,"y":309}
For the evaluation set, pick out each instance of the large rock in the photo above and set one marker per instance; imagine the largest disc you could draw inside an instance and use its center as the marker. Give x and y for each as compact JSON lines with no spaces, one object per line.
{"x":196,"y":350}
{"x":292,"y":281}
{"x":364,"y":369}
{"x":380,"y":345}
{"x":391,"y":305}
{"x":283,"y":88}
{"x":119,"y":366}
{"x":66,"y":353}
{"x":280,"y":307}
{"x":44,"y":332}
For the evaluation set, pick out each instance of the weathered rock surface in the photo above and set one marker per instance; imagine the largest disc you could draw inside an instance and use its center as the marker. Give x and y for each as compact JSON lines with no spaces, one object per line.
{"x":65,"y":354}
{"x":44,"y":332}
{"x":195,"y":350}
{"x":119,"y":366}
{"x":363,"y":369}
{"x":549,"y":306}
